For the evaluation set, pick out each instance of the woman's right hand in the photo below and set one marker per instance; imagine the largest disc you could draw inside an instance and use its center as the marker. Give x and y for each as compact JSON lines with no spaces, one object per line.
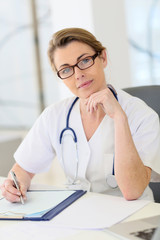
{"x":11,"y":193}
{"x":8,"y":189}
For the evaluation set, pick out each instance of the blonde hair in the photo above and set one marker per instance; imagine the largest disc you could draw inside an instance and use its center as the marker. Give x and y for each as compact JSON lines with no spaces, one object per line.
{"x":65,"y":36}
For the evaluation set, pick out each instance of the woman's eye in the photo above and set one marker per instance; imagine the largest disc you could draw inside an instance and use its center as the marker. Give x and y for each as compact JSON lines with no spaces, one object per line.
{"x":86,"y":60}
{"x":66,"y":70}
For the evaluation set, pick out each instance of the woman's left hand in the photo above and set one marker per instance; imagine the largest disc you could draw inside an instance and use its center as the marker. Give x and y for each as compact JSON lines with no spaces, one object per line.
{"x":106,"y":100}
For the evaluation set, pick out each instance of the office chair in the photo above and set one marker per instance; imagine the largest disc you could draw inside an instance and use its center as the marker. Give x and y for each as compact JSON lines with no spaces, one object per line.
{"x":151,"y":96}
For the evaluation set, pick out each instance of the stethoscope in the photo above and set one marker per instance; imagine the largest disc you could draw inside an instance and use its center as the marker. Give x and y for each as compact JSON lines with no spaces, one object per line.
{"x":110,"y":179}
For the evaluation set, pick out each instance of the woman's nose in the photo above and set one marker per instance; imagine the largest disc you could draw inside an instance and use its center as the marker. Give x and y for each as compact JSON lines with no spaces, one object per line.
{"x":78,"y":73}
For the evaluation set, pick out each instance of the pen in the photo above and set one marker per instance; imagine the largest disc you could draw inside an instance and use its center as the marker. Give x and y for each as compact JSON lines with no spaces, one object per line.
{"x":13,"y":175}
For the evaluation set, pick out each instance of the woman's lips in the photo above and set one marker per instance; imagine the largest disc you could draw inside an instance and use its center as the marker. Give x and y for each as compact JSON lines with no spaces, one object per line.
{"x":85,"y":84}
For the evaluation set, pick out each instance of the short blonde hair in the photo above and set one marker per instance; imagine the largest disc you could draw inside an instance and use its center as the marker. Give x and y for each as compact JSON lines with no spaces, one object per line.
{"x":65,"y":36}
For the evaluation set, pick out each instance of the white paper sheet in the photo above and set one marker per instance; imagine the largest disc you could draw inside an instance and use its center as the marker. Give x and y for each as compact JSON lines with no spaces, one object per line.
{"x":97,"y":211}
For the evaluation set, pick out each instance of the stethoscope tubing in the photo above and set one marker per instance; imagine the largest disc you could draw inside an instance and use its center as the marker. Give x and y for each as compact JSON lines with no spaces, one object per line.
{"x":67,"y":124}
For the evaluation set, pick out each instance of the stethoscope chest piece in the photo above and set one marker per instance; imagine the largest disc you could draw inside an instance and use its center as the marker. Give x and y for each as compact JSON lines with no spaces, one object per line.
{"x":111,"y":181}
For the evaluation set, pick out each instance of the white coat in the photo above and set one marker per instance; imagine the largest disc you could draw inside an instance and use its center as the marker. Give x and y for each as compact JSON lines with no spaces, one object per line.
{"x":41,"y":145}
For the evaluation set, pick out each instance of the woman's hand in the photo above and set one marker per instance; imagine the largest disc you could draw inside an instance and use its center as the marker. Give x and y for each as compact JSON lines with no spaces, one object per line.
{"x":9,"y":191}
{"x":106,"y":100}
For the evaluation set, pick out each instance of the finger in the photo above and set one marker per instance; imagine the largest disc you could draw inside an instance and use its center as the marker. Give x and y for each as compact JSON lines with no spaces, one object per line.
{"x":88,"y":105}
{"x":9,"y":196}
{"x":9,"y":186}
{"x":12,"y":198}
{"x":86,"y":101}
{"x":94,"y":105}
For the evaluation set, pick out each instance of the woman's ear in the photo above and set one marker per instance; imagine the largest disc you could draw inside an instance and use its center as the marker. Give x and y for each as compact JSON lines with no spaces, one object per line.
{"x":103,"y":56}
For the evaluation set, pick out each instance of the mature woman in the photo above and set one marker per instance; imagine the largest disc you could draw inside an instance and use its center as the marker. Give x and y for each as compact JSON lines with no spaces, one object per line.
{"x":106,"y":140}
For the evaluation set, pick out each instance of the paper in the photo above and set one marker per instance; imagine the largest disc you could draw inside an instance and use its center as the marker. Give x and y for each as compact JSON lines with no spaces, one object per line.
{"x":97,"y":211}
{"x":37,"y":202}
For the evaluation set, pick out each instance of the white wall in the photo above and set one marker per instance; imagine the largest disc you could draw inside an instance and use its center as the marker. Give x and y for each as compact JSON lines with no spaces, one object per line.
{"x":110,"y":28}
{"x":72,"y":13}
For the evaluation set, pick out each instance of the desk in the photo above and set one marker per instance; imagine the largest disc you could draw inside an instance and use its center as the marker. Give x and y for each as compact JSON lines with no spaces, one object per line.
{"x":149,"y":210}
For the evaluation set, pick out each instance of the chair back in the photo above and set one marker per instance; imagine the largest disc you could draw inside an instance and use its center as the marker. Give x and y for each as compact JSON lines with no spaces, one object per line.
{"x":149,"y":94}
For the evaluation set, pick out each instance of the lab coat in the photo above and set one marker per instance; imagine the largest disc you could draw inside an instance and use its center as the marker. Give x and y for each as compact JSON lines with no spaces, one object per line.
{"x":95,"y":157}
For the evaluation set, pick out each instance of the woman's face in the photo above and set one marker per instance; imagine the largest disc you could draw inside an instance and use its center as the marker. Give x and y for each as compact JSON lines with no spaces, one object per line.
{"x":83,"y":82}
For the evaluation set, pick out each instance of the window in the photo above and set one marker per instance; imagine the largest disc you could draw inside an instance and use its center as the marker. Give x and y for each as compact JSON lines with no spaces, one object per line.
{"x":19,"y":95}
{"x":143,"y":24}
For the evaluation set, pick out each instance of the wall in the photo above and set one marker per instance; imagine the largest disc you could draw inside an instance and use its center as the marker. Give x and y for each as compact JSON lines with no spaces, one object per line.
{"x":110,"y":28}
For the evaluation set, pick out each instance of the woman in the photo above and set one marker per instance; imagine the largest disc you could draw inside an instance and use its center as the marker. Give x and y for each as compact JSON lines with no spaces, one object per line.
{"x":108,"y":133}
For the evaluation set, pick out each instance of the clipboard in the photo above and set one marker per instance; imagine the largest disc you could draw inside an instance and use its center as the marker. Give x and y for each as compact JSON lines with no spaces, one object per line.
{"x":48,"y":204}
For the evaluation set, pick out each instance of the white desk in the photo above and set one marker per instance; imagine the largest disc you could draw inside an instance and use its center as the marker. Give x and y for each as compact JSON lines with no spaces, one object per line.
{"x":151,"y":209}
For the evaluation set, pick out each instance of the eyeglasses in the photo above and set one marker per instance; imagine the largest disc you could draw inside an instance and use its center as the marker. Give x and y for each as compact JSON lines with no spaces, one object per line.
{"x":82,"y":64}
